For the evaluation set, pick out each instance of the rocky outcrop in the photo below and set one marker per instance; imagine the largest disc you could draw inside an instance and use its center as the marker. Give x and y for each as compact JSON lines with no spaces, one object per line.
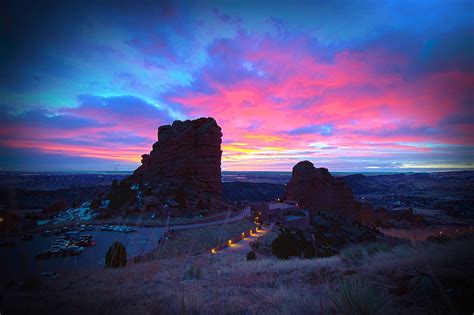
{"x":317,"y":190}
{"x":186,"y":153}
{"x":181,"y":176}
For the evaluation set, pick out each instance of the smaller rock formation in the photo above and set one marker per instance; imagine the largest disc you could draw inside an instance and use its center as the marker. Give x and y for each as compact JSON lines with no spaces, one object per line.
{"x":317,"y":190}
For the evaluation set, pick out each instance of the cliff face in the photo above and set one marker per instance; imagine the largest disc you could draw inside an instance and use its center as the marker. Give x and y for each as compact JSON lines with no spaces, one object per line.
{"x":187,"y":152}
{"x":317,"y":190}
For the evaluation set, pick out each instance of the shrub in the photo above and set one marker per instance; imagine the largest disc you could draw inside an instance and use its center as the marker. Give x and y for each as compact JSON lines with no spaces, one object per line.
{"x":356,"y":296}
{"x":116,"y":256}
{"x":96,"y":203}
{"x":424,"y":282}
{"x":305,"y":246}
{"x":120,"y":195}
{"x":285,"y":245}
{"x":193,"y":273}
{"x":378,"y":247}
{"x":251,"y":255}
{"x":181,"y":198}
{"x":356,"y":255}
{"x":201,"y":204}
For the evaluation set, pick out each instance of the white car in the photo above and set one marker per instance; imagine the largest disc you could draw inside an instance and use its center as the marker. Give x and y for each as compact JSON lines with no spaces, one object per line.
{"x":58,"y":247}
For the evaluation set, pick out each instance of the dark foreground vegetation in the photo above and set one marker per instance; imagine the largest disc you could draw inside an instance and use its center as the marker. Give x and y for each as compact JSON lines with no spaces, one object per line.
{"x":375,"y":278}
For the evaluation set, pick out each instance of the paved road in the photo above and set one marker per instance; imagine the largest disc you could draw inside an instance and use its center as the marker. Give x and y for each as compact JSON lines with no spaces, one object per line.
{"x":242,"y":247}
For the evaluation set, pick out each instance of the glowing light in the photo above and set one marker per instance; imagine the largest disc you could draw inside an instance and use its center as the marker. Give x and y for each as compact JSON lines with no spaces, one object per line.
{"x":213,"y":251}
{"x":230,"y":242}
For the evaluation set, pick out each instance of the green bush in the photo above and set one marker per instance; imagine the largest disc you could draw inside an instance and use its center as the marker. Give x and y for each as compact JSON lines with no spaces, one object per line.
{"x":251,"y":255}
{"x":116,"y":256}
{"x":356,"y":296}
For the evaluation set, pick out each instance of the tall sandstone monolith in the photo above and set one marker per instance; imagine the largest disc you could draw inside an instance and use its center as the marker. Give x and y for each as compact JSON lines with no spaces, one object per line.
{"x":186,"y":153}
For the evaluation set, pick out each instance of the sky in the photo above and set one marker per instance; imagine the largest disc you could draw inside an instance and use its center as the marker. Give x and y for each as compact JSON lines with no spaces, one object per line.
{"x":350,"y":85}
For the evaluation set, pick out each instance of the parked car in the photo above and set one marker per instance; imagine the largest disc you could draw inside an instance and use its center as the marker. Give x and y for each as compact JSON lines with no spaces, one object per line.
{"x":72,"y":234}
{"x":44,"y":254}
{"x":75,"y":247}
{"x":46,"y":233}
{"x":90,"y":228}
{"x":58,"y":246}
{"x":56,"y":252}
{"x":56,"y":232}
{"x":70,"y":252}
{"x":27,"y":237}
{"x":86,"y":236}
{"x":65,"y":229}
{"x":84,"y":243}
{"x":49,"y":274}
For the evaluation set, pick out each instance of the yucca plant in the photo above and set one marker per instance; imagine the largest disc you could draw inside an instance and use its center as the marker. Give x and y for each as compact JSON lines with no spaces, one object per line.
{"x":356,"y":296}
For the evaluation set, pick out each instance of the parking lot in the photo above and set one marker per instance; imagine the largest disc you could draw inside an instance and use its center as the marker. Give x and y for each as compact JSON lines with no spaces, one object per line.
{"x":19,"y":261}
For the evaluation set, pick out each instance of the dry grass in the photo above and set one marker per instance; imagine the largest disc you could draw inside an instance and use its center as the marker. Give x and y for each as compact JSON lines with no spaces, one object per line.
{"x":265,"y":286}
{"x":202,"y":240}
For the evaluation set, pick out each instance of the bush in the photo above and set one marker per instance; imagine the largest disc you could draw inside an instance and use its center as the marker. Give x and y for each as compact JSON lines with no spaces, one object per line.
{"x":356,"y":296}
{"x":289,"y":244}
{"x":374,"y":248}
{"x":181,"y":198}
{"x":285,"y":245}
{"x":356,"y":255}
{"x":251,"y":255}
{"x":120,"y":195}
{"x":305,"y":246}
{"x":96,"y":203}
{"x":116,"y":256}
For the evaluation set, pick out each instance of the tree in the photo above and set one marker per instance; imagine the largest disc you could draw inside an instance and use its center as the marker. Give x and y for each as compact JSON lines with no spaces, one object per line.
{"x":115,"y":184}
{"x":116,"y":256}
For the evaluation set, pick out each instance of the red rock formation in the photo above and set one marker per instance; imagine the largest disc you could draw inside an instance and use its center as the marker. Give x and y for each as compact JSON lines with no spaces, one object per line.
{"x":317,"y":190}
{"x":187,"y":153}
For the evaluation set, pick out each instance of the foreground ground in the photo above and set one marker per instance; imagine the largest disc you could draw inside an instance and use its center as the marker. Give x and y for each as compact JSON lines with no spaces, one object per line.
{"x":376,"y":278}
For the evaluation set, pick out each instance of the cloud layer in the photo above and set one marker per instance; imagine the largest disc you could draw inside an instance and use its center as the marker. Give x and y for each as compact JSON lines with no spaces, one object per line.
{"x":352,"y":87}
